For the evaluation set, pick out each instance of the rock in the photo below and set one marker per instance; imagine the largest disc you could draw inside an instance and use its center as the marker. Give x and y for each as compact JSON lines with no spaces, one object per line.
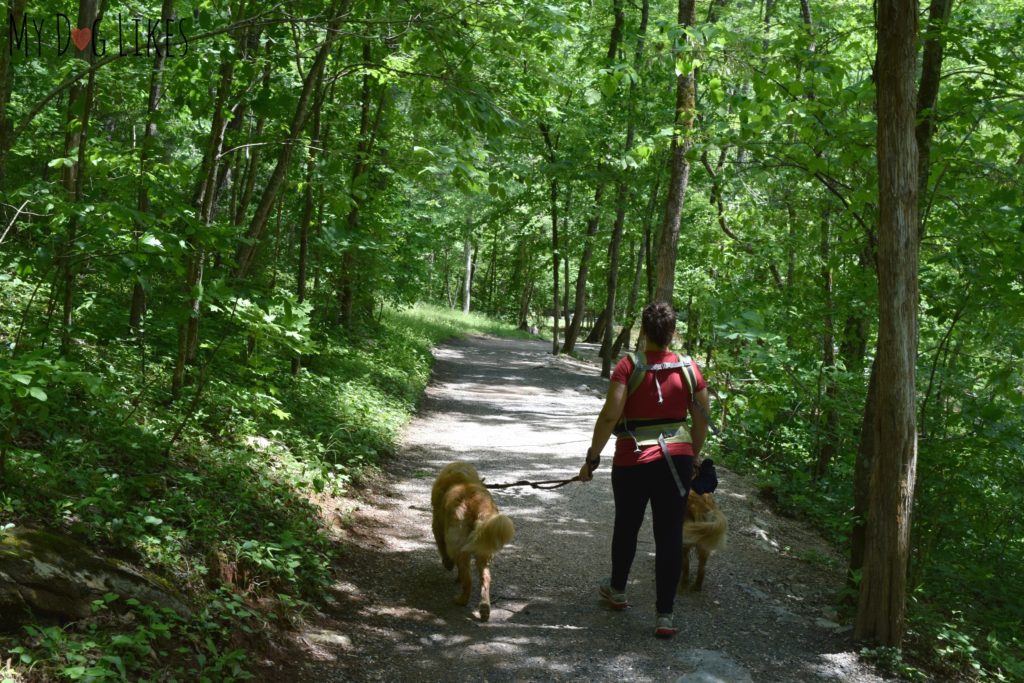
{"x":755,"y":593}
{"x":711,"y":666}
{"x":783,"y":615}
{"x":831,"y":625}
{"x":43,"y":573}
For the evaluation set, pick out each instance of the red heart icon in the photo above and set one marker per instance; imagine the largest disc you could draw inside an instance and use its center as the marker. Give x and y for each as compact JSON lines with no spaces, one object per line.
{"x":81,"y":37}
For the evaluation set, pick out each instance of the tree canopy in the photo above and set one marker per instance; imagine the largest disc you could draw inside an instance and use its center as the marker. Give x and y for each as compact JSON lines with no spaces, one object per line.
{"x":209,"y":209}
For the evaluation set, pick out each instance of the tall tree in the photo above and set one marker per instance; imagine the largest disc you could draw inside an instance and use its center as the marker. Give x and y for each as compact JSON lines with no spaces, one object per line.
{"x":76,"y":138}
{"x":138,"y":305}
{"x":621,"y":200}
{"x":883,"y":590}
{"x":679,"y":173}
{"x":927,"y":98}
{"x":247,"y":250}
{"x":550,"y":145}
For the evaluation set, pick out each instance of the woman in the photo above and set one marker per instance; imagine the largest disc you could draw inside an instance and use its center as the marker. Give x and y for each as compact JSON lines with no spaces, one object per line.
{"x":647,"y":412}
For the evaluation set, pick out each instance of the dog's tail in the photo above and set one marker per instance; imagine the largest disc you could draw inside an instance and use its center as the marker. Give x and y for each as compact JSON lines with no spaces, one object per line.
{"x":489,"y":537}
{"x":708,"y":533}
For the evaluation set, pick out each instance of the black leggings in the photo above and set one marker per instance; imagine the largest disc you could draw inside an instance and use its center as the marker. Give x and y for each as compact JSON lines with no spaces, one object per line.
{"x":633,"y":488}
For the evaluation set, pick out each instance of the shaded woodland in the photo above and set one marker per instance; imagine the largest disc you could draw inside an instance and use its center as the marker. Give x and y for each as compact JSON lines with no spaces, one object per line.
{"x":211,"y":238}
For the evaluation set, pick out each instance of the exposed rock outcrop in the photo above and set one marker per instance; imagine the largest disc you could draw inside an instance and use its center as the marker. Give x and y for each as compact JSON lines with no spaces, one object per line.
{"x":51,"y":575}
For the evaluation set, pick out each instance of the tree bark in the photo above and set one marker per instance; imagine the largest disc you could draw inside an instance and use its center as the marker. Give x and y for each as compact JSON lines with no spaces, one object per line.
{"x":928,"y":96}
{"x":856,"y":332}
{"x":679,"y":177}
{"x":597,"y":333}
{"x":882,"y":601}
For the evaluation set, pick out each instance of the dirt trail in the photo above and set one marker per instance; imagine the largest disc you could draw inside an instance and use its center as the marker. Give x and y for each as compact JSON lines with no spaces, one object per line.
{"x":516,"y":412}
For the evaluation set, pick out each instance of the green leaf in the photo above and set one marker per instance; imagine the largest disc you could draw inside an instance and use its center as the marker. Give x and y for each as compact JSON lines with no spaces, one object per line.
{"x":37,"y":393}
{"x":151,"y":241}
{"x":24,"y":379}
{"x":150,"y":519}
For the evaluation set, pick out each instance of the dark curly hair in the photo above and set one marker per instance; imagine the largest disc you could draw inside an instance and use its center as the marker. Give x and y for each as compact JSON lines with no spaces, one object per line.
{"x":659,"y":323}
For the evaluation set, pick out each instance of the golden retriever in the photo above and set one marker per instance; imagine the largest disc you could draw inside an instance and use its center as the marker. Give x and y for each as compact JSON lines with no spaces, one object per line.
{"x":704,"y":528}
{"x":467,"y":525}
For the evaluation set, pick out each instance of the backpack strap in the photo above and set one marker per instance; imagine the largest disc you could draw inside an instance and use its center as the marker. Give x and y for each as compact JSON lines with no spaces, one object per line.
{"x":685,"y":366}
{"x":640,"y":368}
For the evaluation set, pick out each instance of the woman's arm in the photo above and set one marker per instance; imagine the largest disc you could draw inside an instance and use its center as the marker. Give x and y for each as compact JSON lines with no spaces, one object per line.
{"x":609,"y":416}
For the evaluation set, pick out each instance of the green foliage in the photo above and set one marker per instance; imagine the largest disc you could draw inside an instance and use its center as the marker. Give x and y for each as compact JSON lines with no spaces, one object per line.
{"x":234,"y":506}
{"x":429,"y":149}
{"x":138,"y":642}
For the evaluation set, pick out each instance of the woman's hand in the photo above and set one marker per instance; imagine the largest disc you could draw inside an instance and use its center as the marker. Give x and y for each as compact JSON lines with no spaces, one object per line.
{"x":589,"y":465}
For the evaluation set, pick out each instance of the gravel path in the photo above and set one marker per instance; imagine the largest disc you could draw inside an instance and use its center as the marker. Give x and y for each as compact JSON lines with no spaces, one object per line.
{"x":516,"y":412}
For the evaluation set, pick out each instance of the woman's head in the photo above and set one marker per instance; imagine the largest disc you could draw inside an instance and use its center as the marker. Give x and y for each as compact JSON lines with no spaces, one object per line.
{"x":659,"y":323}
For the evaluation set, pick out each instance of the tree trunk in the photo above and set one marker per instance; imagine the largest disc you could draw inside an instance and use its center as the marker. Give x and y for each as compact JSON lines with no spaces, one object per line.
{"x":573,"y":330}
{"x":15,"y":14}
{"x":649,"y":236}
{"x":138,"y":306}
{"x":679,"y":177}
{"x":928,"y":95}
{"x":360,"y":168}
{"x":631,"y":311}
{"x":447,"y":277}
{"x":856,"y":328}
{"x":566,"y":315}
{"x":188,"y":330}
{"x":247,"y":249}
{"x":247,"y":181}
{"x":882,"y":601}
{"x":16,"y":17}
{"x":555,"y":258}
{"x":826,"y":445}
{"x":862,"y":480}
{"x":492,"y":274}
{"x":550,"y":146}
{"x":597,"y":333}
{"x":524,"y":304}
{"x":72,"y":177}
{"x":467,"y":281}
{"x":621,"y":200}
{"x":307,"y":207}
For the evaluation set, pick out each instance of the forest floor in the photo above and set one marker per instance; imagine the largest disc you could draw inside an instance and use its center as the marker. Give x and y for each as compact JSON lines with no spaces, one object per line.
{"x":766,"y":612}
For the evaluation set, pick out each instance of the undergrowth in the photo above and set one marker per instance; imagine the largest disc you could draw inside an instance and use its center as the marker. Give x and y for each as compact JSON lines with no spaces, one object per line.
{"x":228,"y":513}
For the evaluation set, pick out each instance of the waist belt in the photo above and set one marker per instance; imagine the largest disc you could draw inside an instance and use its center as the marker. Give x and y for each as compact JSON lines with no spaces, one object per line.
{"x":650,"y":432}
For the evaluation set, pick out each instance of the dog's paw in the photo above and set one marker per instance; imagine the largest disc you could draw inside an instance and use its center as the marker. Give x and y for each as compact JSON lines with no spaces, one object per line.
{"x":448,"y":564}
{"x":485,"y":611}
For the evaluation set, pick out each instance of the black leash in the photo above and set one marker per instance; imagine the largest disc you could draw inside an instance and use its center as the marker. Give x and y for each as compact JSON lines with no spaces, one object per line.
{"x":544,"y":485}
